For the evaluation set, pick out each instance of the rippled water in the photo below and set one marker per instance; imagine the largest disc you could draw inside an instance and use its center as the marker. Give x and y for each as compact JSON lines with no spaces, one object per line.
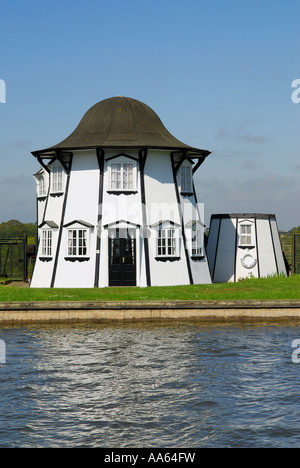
{"x":150,"y":385}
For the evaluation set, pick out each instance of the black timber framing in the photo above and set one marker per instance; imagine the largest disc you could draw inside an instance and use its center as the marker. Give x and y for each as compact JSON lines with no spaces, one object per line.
{"x":143,"y":154}
{"x":61,"y":224}
{"x":100,"y":159}
{"x":181,"y":220}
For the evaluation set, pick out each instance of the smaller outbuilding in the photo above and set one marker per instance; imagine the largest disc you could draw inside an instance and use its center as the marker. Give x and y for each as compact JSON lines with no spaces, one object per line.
{"x":244,"y":245}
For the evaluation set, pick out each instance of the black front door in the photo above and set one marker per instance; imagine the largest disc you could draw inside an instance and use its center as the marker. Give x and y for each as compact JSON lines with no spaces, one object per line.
{"x":122,"y":254}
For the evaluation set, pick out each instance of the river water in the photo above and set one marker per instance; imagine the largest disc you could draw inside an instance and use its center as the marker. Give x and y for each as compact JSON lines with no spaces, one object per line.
{"x":150,"y":385}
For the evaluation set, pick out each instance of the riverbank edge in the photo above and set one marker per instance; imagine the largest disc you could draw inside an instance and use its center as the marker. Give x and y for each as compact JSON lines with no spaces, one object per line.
{"x":134,"y":311}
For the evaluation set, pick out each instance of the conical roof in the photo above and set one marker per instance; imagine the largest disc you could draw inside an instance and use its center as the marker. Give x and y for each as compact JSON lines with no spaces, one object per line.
{"x":120,"y":122}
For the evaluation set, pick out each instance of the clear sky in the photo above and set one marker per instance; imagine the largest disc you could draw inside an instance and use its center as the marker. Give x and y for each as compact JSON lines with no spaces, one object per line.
{"x":219,"y":74}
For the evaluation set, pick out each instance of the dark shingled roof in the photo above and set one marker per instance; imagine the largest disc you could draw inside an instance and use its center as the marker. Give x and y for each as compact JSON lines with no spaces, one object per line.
{"x":120,"y":122}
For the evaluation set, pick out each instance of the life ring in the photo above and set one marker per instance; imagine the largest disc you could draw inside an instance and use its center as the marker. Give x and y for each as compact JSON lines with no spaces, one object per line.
{"x":248,"y":261}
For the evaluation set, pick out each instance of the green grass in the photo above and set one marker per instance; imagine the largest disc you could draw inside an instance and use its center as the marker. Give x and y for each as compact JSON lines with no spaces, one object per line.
{"x":262,"y":288}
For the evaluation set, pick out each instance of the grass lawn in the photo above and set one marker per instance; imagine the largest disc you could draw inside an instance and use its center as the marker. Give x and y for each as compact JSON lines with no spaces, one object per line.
{"x":262,"y":288}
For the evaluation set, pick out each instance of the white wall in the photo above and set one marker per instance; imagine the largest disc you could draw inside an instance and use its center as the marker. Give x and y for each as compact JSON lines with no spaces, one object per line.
{"x":226,"y":254}
{"x":82,"y":205}
{"x":225,"y":260}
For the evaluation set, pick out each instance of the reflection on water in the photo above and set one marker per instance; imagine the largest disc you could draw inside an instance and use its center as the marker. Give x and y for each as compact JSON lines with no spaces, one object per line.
{"x":150,"y":385}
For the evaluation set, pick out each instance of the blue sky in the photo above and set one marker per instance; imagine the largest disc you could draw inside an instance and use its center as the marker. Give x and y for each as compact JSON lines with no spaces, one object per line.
{"x":219,"y":74}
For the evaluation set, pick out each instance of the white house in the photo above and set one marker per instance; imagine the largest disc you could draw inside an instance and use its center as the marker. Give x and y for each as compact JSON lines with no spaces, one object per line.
{"x":116,"y":204}
{"x":242,"y":245}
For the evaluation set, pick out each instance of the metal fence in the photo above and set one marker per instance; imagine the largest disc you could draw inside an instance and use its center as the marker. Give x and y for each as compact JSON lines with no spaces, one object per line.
{"x":290,"y":243}
{"x":13,"y":259}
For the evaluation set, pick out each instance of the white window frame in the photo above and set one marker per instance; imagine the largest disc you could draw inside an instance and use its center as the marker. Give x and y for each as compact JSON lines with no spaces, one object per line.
{"x":197,"y":240}
{"x":42,"y":186}
{"x":246,"y":234}
{"x":167,"y":241}
{"x":186,"y":178}
{"x":123,"y":179}
{"x":77,"y":249}
{"x":46,"y":242}
{"x":57,"y":178}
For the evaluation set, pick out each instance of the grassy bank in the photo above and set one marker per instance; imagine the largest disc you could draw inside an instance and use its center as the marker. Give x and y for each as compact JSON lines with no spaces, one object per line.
{"x":262,"y":288}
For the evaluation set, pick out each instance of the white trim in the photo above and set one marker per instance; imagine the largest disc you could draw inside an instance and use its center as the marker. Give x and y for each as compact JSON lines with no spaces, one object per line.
{"x":46,"y":243}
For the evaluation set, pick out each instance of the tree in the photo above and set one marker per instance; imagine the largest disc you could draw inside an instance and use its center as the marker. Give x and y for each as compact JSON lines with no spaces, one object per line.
{"x":14,"y":228}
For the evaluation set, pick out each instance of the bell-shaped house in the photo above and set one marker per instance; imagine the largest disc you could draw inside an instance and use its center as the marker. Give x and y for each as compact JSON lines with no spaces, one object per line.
{"x":117,"y":204}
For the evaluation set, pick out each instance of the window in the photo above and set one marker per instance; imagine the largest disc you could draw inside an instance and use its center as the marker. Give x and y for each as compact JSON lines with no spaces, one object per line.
{"x":42,"y":186}
{"x":246,"y":234}
{"x":46,"y":243}
{"x":197,"y":241}
{"x":186,"y":179}
{"x":166,"y":243}
{"x":42,"y":183}
{"x":122,"y":176}
{"x":57,"y":179}
{"x":77,"y":242}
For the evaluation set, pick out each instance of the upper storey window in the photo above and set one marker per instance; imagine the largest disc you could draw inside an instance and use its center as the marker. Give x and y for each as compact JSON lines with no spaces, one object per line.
{"x":42,"y":184}
{"x":122,"y":175}
{"x":186,"y":179}
{"x":57,"y":179}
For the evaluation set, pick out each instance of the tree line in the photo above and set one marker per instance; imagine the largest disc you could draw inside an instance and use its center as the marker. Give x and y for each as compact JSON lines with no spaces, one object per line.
{"x":15,"y":229}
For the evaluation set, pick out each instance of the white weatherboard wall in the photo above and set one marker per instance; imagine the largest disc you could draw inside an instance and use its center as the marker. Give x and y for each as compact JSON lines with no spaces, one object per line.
{"x":77,"y":207}
{"x":81,"y":204}
{"x":244,"y":245}
{"x":162,"y":206}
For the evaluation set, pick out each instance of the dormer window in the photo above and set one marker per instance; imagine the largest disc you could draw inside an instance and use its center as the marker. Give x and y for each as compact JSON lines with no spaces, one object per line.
{"x":57,"y":179}
{"x":167,"y":241}
{"x":195,"y":238}
{"x":47,"y":238}
{"x":186,"y":179}
{"x":197,"y":241}
{"x":246,"y":235}
{"x":42,"y":186}
{"x":122,"y":175}
{"x":42,"y":183}
{"x":48,"y":230}
{"x":78,"y":240}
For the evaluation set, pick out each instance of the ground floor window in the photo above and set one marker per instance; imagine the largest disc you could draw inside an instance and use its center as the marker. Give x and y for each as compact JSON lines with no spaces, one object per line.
{"x":197,"y":241}
{"x":77,"y":242}
{"x":46,"y":243}
{"x":166,"y":243}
